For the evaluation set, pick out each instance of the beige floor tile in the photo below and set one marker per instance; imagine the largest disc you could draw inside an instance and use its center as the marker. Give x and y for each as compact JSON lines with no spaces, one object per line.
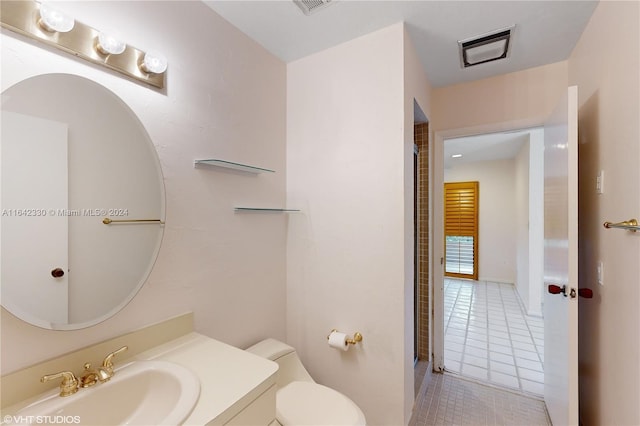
{"x":451,"y":400}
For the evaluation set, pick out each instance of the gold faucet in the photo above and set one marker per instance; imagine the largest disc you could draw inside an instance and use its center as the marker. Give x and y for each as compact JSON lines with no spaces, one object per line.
{"x":101,"y":374}
{"x":106,"y":371}
{"x":69,"y":384}
{"x":90,"y":377}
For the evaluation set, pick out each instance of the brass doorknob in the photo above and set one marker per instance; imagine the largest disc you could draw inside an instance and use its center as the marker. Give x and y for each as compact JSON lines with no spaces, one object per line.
{"x":57,"y":273}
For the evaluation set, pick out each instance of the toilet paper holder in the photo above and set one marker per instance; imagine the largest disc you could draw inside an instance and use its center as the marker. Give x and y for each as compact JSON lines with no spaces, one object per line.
{"x":357,"y":337}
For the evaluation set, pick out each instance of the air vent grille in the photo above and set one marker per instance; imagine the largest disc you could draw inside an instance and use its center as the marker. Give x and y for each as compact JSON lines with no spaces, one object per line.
{"x":311,"y":6}
{"x":486,"y":47}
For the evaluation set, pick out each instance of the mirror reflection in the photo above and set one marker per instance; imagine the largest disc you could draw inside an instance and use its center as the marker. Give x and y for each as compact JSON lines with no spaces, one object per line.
{"x":72,"y":155}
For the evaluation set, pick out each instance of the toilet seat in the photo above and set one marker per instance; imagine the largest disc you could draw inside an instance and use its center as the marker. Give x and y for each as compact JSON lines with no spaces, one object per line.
{"x":308,"y":403}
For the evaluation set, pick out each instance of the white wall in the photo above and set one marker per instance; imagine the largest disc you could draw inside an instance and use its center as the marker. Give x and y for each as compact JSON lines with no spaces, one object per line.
{"x":536,"y":222}
{"x":530,"y":221}
{"x":347,"y":127}
{"x":496,"y":216}
{"x":605,"y":65}
{"x":225,"y":97}
{"x":522,"y":221}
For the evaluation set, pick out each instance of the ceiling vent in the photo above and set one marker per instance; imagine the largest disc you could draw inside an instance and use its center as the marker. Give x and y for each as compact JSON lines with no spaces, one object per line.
{"x":486,"y":47}
{"x":312,"y":6}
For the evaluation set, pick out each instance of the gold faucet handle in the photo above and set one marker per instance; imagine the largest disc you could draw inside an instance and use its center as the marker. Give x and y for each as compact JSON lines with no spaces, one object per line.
{"x":69,"y":384}
{"x":108,"y":360}
{"x":89,"y":378}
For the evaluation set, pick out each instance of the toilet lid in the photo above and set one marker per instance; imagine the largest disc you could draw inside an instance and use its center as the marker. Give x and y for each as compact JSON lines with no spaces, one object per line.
{"x":308,"y":403}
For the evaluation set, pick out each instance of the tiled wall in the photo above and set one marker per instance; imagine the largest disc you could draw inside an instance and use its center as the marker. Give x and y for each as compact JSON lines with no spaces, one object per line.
{"x":421,"y":138}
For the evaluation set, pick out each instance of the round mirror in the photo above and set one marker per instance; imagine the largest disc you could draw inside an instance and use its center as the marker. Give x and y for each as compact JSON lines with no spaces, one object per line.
{"x":82,"y":202}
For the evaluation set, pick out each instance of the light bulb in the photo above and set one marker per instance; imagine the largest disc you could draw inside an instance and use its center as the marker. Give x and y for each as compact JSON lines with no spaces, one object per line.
{"x":154,"y":63}
{"x":53,"y":20}
{"x":109,"y":45}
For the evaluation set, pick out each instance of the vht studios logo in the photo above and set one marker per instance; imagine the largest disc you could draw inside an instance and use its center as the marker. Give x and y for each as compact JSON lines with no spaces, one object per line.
{"x":50,"y":420}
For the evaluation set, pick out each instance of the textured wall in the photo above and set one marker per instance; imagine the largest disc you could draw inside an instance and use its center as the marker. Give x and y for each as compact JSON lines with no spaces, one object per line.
{"x":346,"y":158}
{"x":225,"y":97}
{"x":605,"y":65}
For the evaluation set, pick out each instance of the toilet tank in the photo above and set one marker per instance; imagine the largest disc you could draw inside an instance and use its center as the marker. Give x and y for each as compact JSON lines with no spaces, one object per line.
{"x":290,"y":367}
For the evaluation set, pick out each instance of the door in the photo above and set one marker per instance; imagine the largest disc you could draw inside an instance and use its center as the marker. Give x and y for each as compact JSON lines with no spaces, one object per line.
{"x":561,"y":261}
{"x":34,"y":221}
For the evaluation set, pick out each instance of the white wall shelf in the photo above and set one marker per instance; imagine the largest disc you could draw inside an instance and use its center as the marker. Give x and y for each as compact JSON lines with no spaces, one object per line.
{"x":259,"y":209}
{"x":231,"y":165}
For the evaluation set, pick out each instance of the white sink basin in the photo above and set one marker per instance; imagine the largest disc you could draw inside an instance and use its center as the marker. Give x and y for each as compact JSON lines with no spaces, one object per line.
{"x":139,"y":393}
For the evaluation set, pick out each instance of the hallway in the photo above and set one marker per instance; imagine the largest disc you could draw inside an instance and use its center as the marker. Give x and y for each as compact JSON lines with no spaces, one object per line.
{"x":489,"y":337}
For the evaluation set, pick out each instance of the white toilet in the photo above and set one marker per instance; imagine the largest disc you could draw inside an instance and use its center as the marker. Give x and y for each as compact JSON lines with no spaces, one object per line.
{"x":299,"y":399}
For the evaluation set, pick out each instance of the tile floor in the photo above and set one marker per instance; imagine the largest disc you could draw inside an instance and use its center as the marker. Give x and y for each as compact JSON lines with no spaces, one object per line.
{"x":489,"y":337}
{"x":447,"y":399}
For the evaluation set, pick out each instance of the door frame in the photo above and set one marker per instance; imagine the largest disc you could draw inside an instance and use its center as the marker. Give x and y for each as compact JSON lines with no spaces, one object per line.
{"x":437,"y":236}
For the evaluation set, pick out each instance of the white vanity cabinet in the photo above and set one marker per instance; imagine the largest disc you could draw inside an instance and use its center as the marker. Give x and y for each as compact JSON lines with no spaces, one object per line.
{"x":259,"y":412}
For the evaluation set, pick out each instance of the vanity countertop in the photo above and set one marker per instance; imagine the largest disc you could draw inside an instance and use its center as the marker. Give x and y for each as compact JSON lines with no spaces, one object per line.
{"x":230,"y":378}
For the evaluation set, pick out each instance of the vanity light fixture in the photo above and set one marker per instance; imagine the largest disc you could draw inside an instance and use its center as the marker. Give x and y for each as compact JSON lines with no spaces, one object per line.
{"x":109,"y":45}
{"x":54,"y":20}
{"x":456,"y":156}
{"x":47,"y":24}
{"x":153,"y":62}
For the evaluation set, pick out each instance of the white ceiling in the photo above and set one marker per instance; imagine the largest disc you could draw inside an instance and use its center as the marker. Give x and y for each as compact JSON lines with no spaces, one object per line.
{"x":546,"y":31}
{"x":487,"y":147}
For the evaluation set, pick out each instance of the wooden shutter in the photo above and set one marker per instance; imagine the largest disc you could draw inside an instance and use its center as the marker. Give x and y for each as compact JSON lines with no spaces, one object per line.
{"x":461,"y":220}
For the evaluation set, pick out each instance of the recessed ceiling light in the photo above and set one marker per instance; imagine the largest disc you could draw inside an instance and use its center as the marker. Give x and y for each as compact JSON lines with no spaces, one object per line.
{"x":456,"y":156}
{"x":486,"y":47}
